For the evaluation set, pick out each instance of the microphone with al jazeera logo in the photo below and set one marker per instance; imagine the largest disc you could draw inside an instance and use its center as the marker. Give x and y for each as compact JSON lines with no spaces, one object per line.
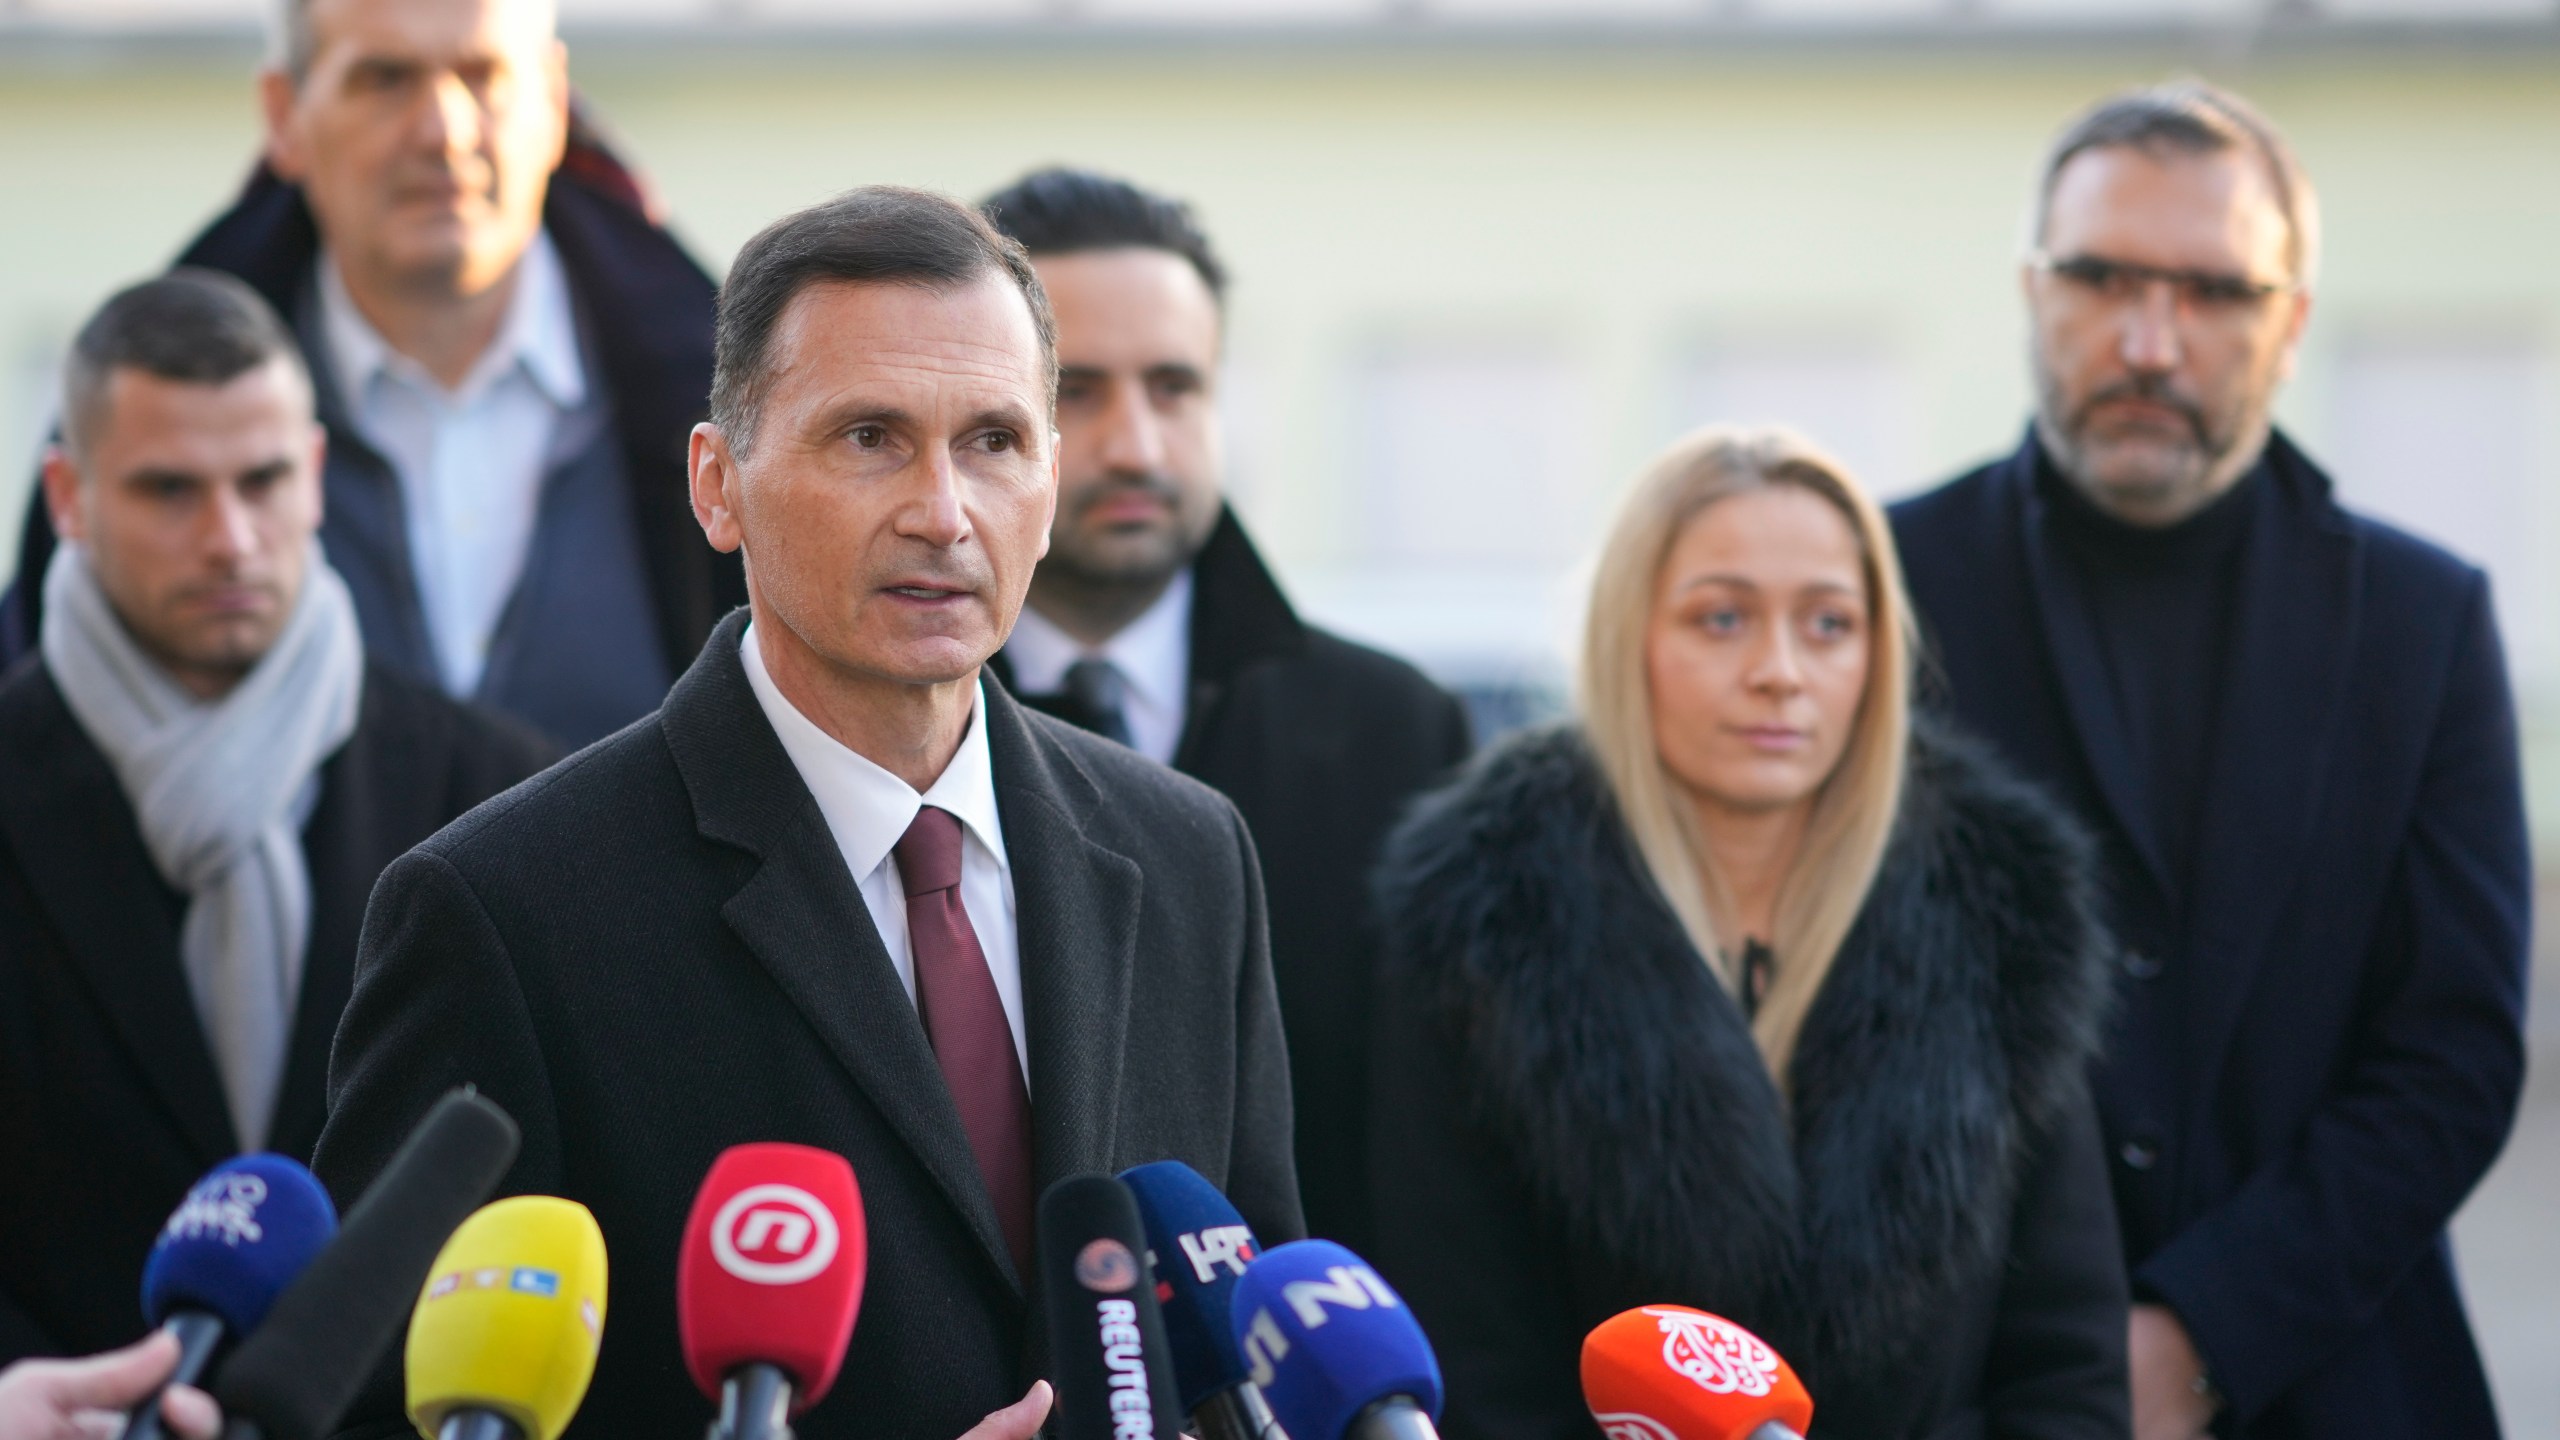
{"x":1668,"y":1372}
{"x":770,"y":1280}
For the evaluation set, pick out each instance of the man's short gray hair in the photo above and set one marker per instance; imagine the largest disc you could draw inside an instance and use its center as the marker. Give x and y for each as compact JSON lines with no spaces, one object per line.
{"x":2191,"y":117}
{"x":291,"y":46}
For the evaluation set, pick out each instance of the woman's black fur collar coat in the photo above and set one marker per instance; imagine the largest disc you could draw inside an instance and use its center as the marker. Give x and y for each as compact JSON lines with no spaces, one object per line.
{"x":1563,"y":1091}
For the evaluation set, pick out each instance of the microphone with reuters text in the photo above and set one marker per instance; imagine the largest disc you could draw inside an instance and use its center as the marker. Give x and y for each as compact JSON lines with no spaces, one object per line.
{"x":769,"y":1282}
{"x":230,"y":1248}
{"x":1107,"y":1344}
{"x":295,"y":1377}
{"x":1667,"y":1372}
{"x":1334,"y":1349}
{"x":503,"y":1340}
{"x":1197,"y":1245}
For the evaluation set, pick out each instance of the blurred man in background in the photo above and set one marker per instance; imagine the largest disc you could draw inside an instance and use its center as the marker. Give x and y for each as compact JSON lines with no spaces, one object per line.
{"x":1153,"y":621}
{"x":2290,"y":728}
{"x":510,"y":354}
{"x":200,"y":778}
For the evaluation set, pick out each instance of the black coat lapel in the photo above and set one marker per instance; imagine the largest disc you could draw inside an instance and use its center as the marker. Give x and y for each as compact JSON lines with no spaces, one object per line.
{"x":2071,"y":642}
{"x":804,"y":919}
{"x":74,"y":831}
{"x":1077,"y":925}
{"x":1239,"y":618}
{"x":2283,"y":696}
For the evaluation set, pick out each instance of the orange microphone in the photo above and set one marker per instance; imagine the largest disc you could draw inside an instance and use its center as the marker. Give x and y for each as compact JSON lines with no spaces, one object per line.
{"x":1667,"y":1372}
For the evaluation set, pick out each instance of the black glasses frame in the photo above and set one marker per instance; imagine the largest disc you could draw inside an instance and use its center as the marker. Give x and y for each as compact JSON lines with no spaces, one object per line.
{"x":2124,"y":280}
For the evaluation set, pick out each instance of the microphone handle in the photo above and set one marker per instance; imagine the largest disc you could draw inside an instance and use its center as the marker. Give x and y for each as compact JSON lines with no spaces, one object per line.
{"x":198,"y":1332}
{"x":478,"y":1425}
{"x":1772,"y":1430}
{"x":1394,"y":1418}
{"x":1237,"y":1413}
{"x":755,"y":1404}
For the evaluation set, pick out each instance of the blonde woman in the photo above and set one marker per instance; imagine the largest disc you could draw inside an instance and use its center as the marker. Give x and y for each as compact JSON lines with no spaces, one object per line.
{"x":1743,"y":992}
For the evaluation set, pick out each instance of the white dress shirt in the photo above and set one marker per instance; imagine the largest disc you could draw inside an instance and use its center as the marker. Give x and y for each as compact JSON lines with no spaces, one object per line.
{"x":1152,"y":654}
{"x":470,"y":460}
{"x":868,"y":810}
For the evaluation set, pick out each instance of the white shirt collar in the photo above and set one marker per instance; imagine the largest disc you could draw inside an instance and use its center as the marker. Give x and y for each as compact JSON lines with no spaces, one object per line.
{"x":1152,"y":653}
{"x":867,"y":808}
{"x":540,"y":333}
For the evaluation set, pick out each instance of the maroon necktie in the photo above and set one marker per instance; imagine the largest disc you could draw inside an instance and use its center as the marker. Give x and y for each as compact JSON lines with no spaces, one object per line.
{"x":965,"y":1021}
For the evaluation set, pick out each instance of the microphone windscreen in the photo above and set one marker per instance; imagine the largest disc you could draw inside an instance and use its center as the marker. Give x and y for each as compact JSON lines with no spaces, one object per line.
{"x":1197,"y":1245}
{"x":771,"y":1273}
{"x":1325,"y":1338}
{"x":239,"y":1238}
{"x":1667,"y":1372}
{"x":299,"y":1372}
{"x":1107,"y":1343}
{"x":510,"y":1318}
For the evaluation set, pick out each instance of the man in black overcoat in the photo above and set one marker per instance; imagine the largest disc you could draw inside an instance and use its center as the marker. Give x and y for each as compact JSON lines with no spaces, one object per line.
{"x":510,"y":353}
{"x":1152,"y":620}
{"x":837,"y":891}
{"x":2290,"y":727}
{"x":190,"y":473}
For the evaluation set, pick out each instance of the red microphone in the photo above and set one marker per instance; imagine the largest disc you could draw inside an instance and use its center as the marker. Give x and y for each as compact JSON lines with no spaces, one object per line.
{"x":768,"y":1284}
{"x":1667,"y":1372}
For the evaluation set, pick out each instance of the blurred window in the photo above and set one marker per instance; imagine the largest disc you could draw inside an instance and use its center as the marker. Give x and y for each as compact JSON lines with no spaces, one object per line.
{"x":1469,"y":455}
{"x":1848,"y":394}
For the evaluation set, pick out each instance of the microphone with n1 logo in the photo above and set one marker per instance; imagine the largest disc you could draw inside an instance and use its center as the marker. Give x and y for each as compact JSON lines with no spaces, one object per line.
{"x":1667,"y":1372}
{"x":770,"y":1279}
{"x":503,"y":1340}
{"x":1106,"y":1339}
{"x":1198,"y":1245}
{"x":230,"y":1248}
{"x":1334,"y":1349}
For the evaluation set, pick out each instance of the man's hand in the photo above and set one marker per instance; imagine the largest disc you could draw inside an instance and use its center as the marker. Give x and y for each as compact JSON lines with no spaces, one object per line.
{"x":2169,"y":1403}
{"x":87,"y":1399}
{"x":1017,"y":1421}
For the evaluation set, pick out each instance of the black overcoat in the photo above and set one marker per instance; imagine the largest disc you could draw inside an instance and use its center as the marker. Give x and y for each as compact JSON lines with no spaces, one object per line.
{"x":2313,"y":1069}
{"x":655,"y":951}
{"x":645,"y":309}
{"x":1321,"y":742}
{"x":1571,"y":1117}
{"x":110,"y":1106}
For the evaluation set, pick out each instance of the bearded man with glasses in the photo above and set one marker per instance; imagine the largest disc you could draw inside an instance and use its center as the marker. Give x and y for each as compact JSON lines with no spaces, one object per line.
{"x":2289,"y":728}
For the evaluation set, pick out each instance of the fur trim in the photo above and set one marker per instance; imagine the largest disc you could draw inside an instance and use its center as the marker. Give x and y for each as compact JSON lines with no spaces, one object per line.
{"x":1949,"y":1038}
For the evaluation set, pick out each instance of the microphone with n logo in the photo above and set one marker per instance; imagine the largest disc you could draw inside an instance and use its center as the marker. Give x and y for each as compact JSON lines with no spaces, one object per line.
{"x":1667,"y":1372}
{"x":769,"y":1282}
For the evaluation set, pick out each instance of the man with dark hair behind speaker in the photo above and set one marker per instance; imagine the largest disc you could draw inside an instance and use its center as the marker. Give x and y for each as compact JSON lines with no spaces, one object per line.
{"x":837,"y":891}
{"x":200,"y":777}
{"x":1152,"y":620}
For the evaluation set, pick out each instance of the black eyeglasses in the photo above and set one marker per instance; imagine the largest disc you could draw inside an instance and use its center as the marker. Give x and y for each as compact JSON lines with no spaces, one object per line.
{"x":2122,"y":282}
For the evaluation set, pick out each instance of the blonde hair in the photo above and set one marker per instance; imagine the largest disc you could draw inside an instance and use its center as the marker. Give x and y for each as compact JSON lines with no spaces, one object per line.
{"x":1853,"y":810}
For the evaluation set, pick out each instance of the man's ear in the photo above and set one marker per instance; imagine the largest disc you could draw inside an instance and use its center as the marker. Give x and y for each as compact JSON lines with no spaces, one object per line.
{"x":276,"y":96}
{"x":2295,"y":324}
{"x":62,"y":494}
{"x":713,"y":473}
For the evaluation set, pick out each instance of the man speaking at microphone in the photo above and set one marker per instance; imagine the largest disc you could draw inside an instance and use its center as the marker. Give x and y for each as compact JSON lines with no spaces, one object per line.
{"x":836,"y":891}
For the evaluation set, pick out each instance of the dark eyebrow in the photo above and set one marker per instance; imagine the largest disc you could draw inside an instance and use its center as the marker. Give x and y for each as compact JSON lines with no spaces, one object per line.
{"x":1002,"y":417}
{"x":1744,"y":583}
{"x":271,"y":470}
{"x":859,"y":412}
{"x":1178,"y":370}
{"x":161,"y":475}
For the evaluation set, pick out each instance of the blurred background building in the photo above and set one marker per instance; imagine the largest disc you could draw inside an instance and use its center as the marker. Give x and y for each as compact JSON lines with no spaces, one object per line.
{"x":1492,"y":253}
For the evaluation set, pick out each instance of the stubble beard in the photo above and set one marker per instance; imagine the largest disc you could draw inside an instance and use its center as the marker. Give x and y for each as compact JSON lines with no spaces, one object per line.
{"x":2145,"y":479}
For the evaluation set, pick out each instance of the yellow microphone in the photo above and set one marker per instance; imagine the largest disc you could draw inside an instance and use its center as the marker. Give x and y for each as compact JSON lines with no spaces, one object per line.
{"x":503,"y":1340}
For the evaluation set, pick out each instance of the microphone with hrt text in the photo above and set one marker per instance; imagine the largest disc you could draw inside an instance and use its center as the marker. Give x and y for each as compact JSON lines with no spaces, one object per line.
{"x":295,"y":1377}
{"x":503,"y":1340}
{"x":1334,"y":1349}
{"x":1667,"y":1372}
{"x":230,"y":1248}
{"x":769,"y":1282}
{"x":1107,"y":1345}
{"x":1197,"y":1245}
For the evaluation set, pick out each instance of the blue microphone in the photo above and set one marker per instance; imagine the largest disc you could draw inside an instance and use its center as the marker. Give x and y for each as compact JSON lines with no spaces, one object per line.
{"x":1334,"y":1349}
{"x":232,"y":1246}
{"x":1198,"y":1245}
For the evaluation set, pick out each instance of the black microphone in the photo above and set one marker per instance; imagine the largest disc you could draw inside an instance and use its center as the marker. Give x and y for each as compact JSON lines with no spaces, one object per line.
{"x":320,"y":1344}
{"x":1106,"y":1340}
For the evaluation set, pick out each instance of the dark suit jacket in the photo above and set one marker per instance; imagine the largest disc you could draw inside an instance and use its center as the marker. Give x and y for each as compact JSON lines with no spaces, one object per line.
{"x":109,"y":1103}
{"x":2311,"y":1070}
{"x":648,"y":307}
{"x":1320,"y":742}
{"x":655,"y":952}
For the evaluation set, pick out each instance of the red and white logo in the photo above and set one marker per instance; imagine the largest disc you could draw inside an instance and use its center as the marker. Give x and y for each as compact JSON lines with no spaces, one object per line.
{"x":774,"y":1235}
{"x":1628,"y":1425}
{"x":1722,"y":1357}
